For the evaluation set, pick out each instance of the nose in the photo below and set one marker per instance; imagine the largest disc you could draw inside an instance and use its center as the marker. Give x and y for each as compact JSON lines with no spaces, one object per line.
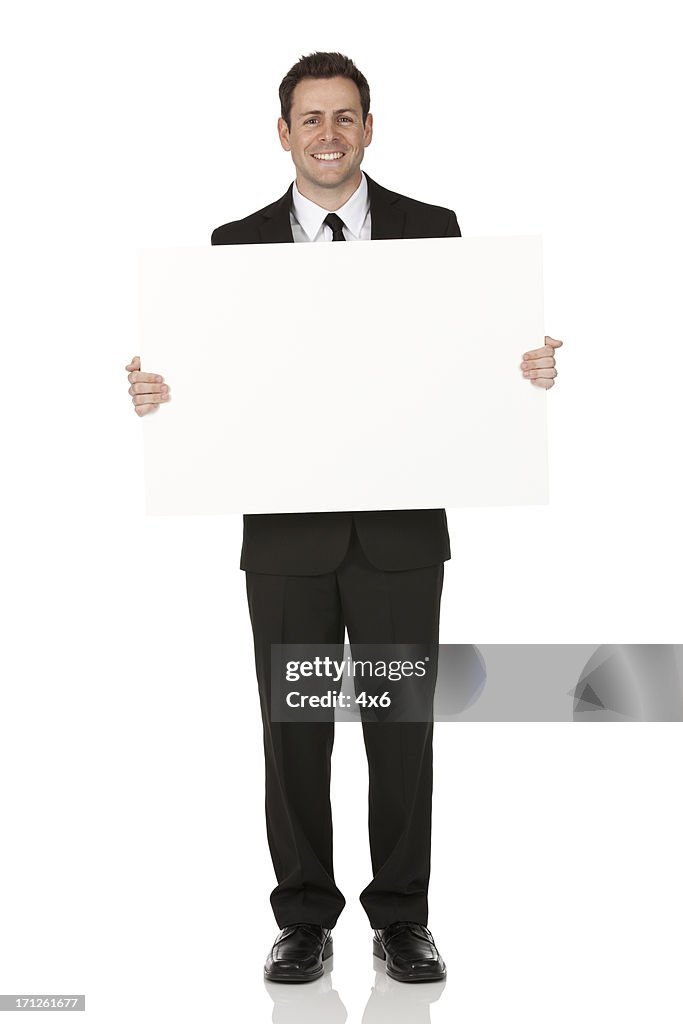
{"x":328,"y":131}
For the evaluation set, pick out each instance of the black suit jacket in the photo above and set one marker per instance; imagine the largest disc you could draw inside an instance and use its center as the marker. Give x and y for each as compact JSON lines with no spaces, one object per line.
{"x":309,"y":543}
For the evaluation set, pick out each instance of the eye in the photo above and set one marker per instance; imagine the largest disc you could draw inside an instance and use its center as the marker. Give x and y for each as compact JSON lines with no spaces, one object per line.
{"x":343,"y":117}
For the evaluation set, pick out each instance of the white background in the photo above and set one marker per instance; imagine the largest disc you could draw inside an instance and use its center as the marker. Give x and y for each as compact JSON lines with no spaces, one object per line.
{"x":133,"y":859}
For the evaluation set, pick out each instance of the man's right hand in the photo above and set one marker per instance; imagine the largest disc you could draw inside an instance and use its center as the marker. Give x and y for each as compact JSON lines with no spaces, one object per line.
{"x":147,"y":389}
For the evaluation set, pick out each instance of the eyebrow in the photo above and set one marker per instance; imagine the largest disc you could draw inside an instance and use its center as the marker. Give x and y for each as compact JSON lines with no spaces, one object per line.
{"x":342,"y":110}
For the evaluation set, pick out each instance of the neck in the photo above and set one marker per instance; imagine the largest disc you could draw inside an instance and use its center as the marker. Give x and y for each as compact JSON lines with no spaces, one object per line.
{"x":329,"y":198}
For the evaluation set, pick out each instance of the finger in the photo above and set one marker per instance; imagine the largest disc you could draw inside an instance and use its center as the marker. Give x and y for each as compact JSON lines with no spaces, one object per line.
{"x":547,"y":350}
{"x":535,"y":374}
{"x":539,"y":353}
{"x":134,"y":364}
{"x":534,"y":364}
{"x":543,"y":382}
{"x":144,"y":410}
{"x":138,"y":375}
{"x":147,"y":388}
{"x":144,"y":399}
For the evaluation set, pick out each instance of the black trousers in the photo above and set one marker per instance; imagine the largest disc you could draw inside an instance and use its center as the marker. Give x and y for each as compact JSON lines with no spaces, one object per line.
{"x":376,"y":607}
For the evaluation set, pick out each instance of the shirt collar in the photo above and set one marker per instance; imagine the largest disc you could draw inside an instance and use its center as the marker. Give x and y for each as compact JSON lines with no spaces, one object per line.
{"x":311,"y":216}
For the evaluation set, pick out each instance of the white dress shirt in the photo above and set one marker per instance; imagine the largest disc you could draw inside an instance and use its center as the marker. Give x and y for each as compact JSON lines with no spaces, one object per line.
{"x":306,"y":217}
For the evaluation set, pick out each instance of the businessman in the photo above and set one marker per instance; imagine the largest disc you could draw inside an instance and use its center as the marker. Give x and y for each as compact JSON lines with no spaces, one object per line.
{"x":310,"y":576}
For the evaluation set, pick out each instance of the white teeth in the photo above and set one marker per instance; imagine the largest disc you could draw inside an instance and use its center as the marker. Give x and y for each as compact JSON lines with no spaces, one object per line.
{"x":327,"y":156}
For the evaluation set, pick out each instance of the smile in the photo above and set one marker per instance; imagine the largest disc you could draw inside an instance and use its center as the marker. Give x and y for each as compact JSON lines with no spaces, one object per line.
{"x":327,"y":156}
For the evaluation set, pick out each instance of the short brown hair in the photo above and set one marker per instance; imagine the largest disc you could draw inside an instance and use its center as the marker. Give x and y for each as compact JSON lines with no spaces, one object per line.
{"x":322,"y":65}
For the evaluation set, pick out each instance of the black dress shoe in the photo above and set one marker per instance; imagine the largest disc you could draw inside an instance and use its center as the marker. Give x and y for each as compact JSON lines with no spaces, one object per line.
{"x":298,"y":953}
{"x":409,"y":951}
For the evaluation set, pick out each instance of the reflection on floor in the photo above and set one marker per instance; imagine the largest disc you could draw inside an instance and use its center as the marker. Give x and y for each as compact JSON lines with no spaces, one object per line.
{"x":389,"y":1002}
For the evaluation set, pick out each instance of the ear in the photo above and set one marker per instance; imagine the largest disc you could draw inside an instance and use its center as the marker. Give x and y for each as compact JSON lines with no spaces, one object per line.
{"x":367,"y":137}
{"x":283,"y":132}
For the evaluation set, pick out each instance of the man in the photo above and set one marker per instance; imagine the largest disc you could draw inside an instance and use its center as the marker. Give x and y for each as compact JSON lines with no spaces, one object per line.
{"x":309,"y":576}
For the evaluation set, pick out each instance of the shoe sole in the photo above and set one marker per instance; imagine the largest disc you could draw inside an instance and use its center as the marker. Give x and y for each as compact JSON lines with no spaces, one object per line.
{"x":378,"y":950}
{"x":293,"y":980}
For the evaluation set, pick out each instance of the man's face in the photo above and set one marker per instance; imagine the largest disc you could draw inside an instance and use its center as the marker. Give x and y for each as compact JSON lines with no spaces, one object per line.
{"x":326,"y":117}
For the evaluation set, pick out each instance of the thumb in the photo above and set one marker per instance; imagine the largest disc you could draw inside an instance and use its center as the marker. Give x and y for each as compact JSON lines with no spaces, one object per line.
{"x":553,"y":342}
{"x":134,"y":364}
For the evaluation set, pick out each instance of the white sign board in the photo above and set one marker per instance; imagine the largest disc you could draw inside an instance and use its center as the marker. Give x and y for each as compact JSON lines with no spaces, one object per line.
{"x":314,"y":378}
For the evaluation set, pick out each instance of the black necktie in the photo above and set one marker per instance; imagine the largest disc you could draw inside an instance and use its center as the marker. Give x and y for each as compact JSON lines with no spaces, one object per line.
{"x":336,"y":223}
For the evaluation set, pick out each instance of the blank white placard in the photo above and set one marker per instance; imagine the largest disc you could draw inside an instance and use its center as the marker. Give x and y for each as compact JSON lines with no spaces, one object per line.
{"x":314,"y":378}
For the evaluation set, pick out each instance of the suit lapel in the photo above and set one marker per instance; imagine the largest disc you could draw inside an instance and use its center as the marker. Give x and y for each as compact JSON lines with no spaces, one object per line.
{"x":276,"y":226}
{"x":386,"y":216}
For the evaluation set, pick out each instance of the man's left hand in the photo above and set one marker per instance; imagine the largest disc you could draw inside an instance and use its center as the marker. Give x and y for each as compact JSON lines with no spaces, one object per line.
{"x":539,"y":364}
